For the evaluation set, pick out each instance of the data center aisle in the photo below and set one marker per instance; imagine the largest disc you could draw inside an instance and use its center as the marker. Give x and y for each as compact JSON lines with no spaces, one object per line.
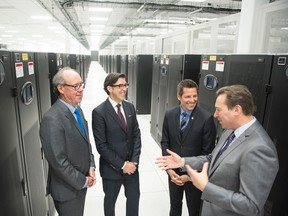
{"x":154,"y":199}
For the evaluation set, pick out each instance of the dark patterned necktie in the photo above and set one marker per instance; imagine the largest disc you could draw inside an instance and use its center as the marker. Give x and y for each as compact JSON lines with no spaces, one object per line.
{"x":121,"y":117}
{"x":183,"y":121}
{"x":225,"y":145}
{"x":79,"y":120}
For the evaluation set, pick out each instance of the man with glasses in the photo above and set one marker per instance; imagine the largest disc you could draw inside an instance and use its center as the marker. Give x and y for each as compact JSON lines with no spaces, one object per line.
{"x":118,"y":141}
{"x":65,"y":141}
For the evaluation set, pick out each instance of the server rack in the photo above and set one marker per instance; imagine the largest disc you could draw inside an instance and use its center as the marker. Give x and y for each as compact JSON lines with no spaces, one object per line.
{"x":155,"y":97}
{"x":117,"y":64}
{"x":43,"y":82}
{"x":44,"y":103}
{"x":27,"y":107}
{"x":191,"y":67}
{"x":211,"y":78}
{"x":124,"y":64}
{"x":254,"y":71}
{"x":131,"y":95}
{"x":140,"y":79}
{"x":55,"y":64}
{"x":275,"y":123}
{"x":72,"y":61}
{"x":14,"y":199}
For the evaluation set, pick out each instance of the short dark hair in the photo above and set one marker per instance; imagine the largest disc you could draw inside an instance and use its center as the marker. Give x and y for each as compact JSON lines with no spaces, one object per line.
{"x":111,"y":79}
{"x":186,"y":83}
{"x":238,"y":95}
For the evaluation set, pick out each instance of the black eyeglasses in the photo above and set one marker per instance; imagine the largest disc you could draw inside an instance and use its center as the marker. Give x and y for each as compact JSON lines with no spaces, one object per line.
{"x":76,"y":86}
{"x":121,"y":86}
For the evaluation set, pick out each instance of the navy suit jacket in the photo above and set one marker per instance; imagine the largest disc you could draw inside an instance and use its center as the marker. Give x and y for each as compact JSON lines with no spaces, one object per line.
{"x":114,"y":144}
{"x":198,"y":137}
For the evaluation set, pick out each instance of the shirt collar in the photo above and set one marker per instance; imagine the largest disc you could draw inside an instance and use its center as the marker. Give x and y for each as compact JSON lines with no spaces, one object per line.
{"x":188,"y":111}
{"x":244,"y":127}
{"x":70,"y":107}
{"x":113,"y":102}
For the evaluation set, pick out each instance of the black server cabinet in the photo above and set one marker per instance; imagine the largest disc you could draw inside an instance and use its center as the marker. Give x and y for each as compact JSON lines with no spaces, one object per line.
{"x":79,"y":66}
{"x":65,"y":59}
{"x":213,"y":69}
{"x":72,"y":61}
{"x":109,"y":64}
{"x":14,"y":199}
{"x":131,"y":95}
{"x":27,"y":107}
{"x":140,"y":81}
{"x":275,"y":123}
{"x":254,"y":72}
{"x":163,"y":94}
{"x":124,"y":65}
{"x":155,"y":97}
{"x":44,"y":103}
{"x":212,"y":72}
{"x":175,"y":73}
{"x":43,"y":82}
{"x":117,"y":64}
{"x":191,"y":67}
{"x":55,"y":64}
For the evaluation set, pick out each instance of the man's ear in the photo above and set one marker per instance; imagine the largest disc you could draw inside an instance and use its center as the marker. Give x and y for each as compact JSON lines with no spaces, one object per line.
{"x":60,"y":89}
{"x":109,"y":88}
{"x":238,"y":109}
{"x":178,"y":97}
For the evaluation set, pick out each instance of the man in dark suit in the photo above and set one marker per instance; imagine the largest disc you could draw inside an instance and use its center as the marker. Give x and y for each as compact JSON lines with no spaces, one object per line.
{"x":67,"y":147}
{"x":241,"y":168}
{"x":188,"y":130}
{"x":118,"y":141}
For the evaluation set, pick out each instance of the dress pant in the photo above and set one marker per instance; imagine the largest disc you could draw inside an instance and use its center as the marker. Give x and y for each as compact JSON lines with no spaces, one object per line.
{"x":111,"y":189}
{"x":193,"y":198}
{"x":74,"y":207}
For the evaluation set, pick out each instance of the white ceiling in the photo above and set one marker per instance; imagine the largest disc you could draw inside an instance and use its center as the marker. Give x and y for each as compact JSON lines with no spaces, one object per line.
{"x":71,"y":21}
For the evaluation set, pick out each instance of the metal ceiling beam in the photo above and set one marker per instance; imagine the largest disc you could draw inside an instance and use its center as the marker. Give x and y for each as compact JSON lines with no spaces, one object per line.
{"x":67,"y":17}
{"x":164,"y":5}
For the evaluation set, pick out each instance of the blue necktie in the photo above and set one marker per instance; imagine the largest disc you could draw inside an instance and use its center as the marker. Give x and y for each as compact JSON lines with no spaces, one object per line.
{"x":80,"y":122}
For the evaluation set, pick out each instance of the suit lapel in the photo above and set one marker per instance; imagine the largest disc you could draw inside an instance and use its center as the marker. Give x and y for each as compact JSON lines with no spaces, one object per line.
{"x":72,"y":119}
{"x":112,"y":112}
{"x":237,"y":142}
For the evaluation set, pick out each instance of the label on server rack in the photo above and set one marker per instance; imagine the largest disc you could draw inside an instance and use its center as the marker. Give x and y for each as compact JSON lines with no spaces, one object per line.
{"x":205,"y":65}
{"x":220,"y":66}
{"x":19,"y":69}
{"x":31,"y":68}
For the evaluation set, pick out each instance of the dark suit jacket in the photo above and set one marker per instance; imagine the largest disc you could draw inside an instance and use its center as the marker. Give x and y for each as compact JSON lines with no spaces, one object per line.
{"x":241,"y":178}
{"x":198,"y":137}
{"x":114,"y":144}
{"x":67,"y":151}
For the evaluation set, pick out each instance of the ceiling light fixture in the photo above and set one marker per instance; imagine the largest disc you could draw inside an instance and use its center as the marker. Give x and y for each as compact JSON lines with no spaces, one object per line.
{"x":98,"y":19}
{"x":97,"y":26}
{"x":41,"y":17}
{"x":100,"y":9}
{"x":194,"y":0}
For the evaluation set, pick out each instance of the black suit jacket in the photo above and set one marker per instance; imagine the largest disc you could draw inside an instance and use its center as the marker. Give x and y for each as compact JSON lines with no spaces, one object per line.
{"x":198,"y":137}
{"x":114,"y":144}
